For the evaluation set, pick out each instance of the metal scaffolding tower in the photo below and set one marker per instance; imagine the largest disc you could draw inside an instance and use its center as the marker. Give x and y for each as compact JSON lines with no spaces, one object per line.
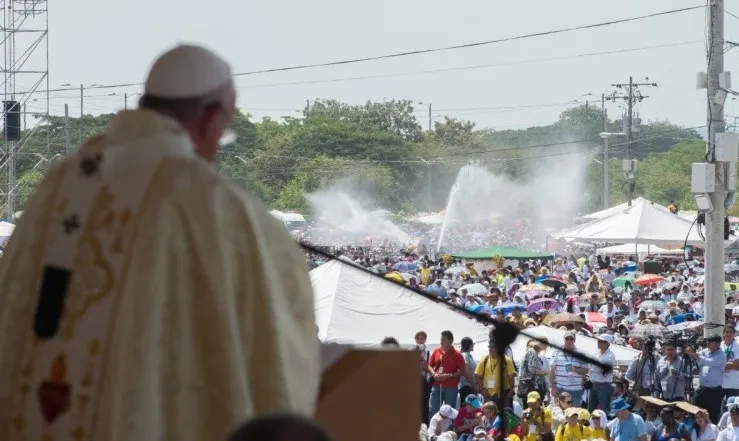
{"x":25,"y":43}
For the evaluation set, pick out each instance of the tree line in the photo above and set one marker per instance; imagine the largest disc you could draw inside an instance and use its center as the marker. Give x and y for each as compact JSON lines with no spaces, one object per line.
{"x":382,"y":149}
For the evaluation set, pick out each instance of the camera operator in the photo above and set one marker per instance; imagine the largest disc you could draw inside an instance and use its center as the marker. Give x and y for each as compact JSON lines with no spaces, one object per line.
{"x":712,"y":362}
{"x":643,"y":370}
{"x":672,"y":372}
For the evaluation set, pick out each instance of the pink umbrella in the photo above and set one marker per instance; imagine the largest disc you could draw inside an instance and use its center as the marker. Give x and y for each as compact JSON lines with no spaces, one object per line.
{"x":538,"y":305}
{"x":531,"y":295}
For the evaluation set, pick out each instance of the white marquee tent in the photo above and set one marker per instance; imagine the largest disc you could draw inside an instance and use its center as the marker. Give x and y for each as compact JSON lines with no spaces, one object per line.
{"x":632,"y":248}
{"x":353,"y":307}
{"x":642,"y":223}
{"x":608,"y":212}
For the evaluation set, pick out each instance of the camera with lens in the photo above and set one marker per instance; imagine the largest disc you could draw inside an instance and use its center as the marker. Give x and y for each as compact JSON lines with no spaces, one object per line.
{"x":650,"y":344}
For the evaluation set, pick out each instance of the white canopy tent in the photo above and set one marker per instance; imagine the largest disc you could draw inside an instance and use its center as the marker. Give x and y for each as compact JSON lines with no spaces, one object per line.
{"x":632,"y":248}
{"x":286,"y":217}
{"x":431,"y":218}
{"x":608,"y":212}
{"x":642,"y":223}
{"x":6,"y":230}
{"x":353,"y":307}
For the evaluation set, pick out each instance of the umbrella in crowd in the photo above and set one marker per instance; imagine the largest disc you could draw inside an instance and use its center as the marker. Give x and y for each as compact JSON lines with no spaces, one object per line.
{"x":553,"y":283}
{"x":534,"y":287}
{"x":405,"y":267}
{"x":648,"y":279}
{"x":621,"y":281}
{"x":684,"y":326}
{"x":648,"y":330}
{"x":475,"y":289}
{"x":539,"y":304}
{"x":532,"y":295}
{"x":564,"y":319}
{"x":656,"y":305}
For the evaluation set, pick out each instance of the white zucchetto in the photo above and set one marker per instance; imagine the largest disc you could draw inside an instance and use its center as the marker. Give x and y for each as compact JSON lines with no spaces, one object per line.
{"x":187,"y":71}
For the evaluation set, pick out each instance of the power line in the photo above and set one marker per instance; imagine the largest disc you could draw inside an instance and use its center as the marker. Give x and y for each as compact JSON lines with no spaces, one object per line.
{"x":472,"y":67}
{"x":420,"y":51}
{"x":475,"y":44}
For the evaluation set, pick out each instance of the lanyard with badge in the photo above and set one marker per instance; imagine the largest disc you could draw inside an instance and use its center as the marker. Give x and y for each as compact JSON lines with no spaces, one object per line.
{"x":491,"y":380}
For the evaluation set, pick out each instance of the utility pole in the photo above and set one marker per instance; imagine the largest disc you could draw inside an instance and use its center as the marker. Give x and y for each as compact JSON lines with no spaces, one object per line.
{"x":24,"y":116}
{"x":428,"y":184}
{"x":125,"y":101}
{"x":630,"y":95}
{"x":605,"y":150}
{"x":82,"y":100}
{"x":67,"y":134}
{"x":714,"y":283}
{"x":430,"y":117}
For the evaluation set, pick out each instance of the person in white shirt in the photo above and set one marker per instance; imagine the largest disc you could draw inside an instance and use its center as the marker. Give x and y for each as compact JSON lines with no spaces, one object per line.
{"x":602,"y":391}
{"x":442,"y":422}
{"x":731,"y":433}
{"x":730,"y":348}
{"x":698,"y":305}
{"x":704,"y":430}
{"x":608,"y":309}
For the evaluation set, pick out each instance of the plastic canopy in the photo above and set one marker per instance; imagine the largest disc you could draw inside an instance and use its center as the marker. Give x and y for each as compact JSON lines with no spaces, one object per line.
{"x":642,"y":223}
{"x":504,"y":252}
{"x":353,"y":307}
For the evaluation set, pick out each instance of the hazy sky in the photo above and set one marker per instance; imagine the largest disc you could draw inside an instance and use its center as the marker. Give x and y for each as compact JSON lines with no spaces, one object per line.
{"x":109,"y":42}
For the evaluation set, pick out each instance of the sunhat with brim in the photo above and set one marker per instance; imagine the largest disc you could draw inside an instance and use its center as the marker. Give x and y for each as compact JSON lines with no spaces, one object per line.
{"x":618,"y":405}
{"x":448,"y":411}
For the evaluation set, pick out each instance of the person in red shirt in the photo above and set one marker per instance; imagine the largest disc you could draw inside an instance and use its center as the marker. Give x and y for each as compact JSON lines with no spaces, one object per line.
{"x":468,"y":417}
{"x":446,"y":366}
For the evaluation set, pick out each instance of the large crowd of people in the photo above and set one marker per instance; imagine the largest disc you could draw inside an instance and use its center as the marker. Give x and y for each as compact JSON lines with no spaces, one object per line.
{"x":680,"y":386}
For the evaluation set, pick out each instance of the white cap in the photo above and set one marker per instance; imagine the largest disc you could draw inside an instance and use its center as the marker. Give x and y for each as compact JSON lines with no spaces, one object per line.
{"x":448,"y":411}
{"x":187,"y":72}
{"x":605,"y":337}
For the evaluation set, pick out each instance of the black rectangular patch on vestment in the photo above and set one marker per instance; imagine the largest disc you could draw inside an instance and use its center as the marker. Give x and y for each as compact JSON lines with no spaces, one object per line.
{"x":51,"y":298}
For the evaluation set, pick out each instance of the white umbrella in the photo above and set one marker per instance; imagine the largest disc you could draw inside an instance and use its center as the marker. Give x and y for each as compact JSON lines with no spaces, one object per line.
{"x":476,"y":289}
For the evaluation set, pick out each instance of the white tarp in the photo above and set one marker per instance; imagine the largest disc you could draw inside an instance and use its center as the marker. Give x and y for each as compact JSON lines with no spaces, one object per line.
{"x":632,"y":248}
{"x":432,"y":219}
{"x":353,"y":307}
{"x":642,"y":223}
{"x":6,"y":230}
{"x":608,"y":212}
{"x":287,"y":217}
{"x":585,"y":345}
{"x":356,"y":308}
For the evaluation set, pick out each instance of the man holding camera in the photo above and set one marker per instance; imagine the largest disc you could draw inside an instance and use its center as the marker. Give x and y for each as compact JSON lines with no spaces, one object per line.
{"x":537,"y":420}
{"x":672,"y":373}
{"x":712,"y":362}
{"x":643,"y":370}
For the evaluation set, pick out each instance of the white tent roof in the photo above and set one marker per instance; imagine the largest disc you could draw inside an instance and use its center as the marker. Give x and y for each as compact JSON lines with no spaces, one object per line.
{"x":643,"y":223}
{"x":6,"y":229}
{"x":287,"y":216}
{"x":354,"y":307}
{"x":632,"y":248}
{"x":433,"y":219}
{"x":585,"y":345}
{"x":602,"y":214}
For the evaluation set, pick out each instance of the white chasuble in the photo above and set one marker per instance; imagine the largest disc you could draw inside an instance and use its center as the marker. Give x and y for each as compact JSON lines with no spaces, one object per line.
{"x":144,"y":297}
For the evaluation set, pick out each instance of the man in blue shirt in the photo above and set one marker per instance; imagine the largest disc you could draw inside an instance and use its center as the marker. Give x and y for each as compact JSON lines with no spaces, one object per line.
{"x":627,"y":426}
{"x":711,"y":361}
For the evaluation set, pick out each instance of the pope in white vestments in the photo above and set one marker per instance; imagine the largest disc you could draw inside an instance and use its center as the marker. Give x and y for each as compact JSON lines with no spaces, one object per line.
{"x":145,"y":297}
